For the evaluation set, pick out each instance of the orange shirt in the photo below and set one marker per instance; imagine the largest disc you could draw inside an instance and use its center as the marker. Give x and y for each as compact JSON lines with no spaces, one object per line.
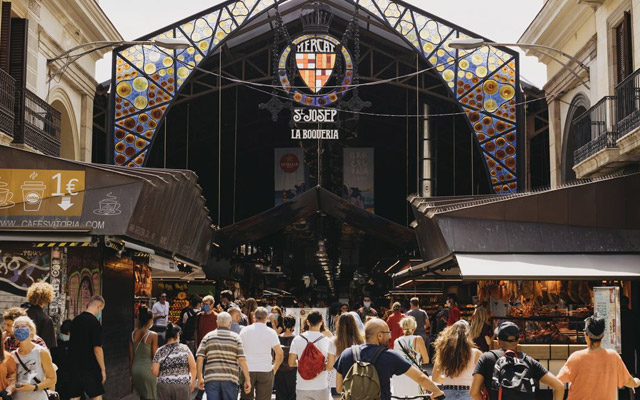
{"x":594,"y":374}
{"x":7,"y":367}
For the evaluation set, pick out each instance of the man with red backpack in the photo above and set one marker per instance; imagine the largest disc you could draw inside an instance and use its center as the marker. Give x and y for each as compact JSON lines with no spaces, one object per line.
{"x":311,"y":353}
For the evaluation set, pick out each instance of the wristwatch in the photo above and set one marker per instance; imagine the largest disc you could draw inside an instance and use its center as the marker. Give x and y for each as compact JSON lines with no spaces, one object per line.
{"x":35,"y":387}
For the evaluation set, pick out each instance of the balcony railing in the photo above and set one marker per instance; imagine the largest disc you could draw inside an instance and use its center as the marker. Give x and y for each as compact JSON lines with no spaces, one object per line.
{"x":628,"y":94}
{"x":595,"y":130}
{"x":41,"y":125}
{"x":7,"y":101}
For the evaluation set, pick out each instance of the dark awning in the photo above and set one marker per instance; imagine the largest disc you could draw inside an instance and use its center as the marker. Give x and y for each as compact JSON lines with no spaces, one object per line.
{"x":162,"y":208}
{"x":599,"y":216}
{"x":303,"y":206}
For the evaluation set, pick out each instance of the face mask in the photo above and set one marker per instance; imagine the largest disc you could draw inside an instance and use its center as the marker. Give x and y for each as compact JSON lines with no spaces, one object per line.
{"x":367,"y":304}
{"x":64,"y":338}
{"x":99,"y":315}
{"x":206,"y":308}
{"x":22,"y":334}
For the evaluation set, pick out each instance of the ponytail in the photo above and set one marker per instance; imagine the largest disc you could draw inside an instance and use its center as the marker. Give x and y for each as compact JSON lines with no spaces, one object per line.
{"x":172,"y":331}
{"x":144,"y":316}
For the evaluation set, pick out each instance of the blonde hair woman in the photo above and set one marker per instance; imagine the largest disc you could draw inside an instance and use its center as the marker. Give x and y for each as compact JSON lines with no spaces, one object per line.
{"x":36,"y":373}
{"x":455,"y":359}
{"x":481,"y":331}
{"x":414,"y":350}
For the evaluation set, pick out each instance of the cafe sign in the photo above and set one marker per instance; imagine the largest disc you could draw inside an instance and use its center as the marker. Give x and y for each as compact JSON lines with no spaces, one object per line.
{"x":64,"y":198}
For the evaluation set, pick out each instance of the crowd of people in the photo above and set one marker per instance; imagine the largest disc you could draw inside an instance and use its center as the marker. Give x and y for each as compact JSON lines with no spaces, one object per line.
{"x":226,"y":351}
{"x":37,"y":364}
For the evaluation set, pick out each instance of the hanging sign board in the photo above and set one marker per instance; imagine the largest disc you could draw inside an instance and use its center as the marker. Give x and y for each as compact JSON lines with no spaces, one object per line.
{"x":162,"y":264}
{"x":607,"y":306}
{"x":316,"y":72}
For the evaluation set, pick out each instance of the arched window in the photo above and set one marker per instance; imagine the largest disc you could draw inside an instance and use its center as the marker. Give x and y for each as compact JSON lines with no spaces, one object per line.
{"x":579,"y":106}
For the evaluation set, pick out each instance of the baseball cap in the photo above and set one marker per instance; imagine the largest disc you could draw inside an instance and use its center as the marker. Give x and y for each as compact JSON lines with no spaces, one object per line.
{"x":508,"y":332}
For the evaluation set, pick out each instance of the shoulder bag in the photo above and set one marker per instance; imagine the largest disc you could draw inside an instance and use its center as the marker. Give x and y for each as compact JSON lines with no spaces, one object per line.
{"x":51,"y":394}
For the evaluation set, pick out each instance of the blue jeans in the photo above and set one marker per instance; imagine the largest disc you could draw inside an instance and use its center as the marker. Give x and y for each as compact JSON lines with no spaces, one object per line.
{"x":221,"y":390}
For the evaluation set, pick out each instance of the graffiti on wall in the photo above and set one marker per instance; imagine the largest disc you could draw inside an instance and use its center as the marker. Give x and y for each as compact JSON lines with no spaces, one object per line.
{"x":20,"y":267}
{"x":83,"y":267}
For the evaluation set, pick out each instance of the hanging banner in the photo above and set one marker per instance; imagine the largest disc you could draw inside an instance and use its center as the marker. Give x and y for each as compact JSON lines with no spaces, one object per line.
{"x":288,"y":173}
{"x":607,"y":306}
{"x":358,"y":177}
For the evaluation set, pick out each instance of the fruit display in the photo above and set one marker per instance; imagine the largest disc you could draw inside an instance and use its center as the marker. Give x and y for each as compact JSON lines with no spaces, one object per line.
{"x":177,"y":304}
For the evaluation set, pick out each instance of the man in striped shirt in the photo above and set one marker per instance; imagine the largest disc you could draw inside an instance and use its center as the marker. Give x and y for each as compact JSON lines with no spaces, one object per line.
{"x":220,"y":353}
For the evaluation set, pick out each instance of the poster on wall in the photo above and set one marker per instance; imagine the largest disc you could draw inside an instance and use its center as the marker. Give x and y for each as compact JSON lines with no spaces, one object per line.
{"x":607,"y":306}
{"x":358,"y":177}
{"x":301,"y":316}
{"x":83,"y":269}
{"x":288,"y":173}
{"x":21,"y":266}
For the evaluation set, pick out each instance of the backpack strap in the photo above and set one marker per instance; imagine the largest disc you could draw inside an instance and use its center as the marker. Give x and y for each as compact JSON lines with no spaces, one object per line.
{"x":305,"y":338}
{"x":355,"y":351}
{"x":319,"y":339}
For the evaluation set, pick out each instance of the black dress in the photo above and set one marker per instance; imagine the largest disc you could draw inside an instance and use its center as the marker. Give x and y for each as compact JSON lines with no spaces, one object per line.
{"x":285,"y":379}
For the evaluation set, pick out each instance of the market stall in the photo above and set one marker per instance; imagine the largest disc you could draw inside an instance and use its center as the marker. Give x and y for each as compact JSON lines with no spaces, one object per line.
{"x":535,"y":258}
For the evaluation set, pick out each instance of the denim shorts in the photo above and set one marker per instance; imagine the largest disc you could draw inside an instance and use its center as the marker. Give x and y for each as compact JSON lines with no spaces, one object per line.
{"x":457,"y":394}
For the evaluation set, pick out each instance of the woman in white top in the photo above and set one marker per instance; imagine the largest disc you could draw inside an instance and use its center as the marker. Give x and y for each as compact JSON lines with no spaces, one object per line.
{"x":35,"y":369}
{"x":455,"y":359}
{"x":413,"y":349}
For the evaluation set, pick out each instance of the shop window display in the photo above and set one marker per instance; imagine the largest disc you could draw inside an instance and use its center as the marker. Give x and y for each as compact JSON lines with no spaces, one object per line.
{"x":548,"y":312}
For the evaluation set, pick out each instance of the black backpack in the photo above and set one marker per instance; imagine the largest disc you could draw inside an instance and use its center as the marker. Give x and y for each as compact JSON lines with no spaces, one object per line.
{"x":188,"y":327}
{"x":512,"y":377}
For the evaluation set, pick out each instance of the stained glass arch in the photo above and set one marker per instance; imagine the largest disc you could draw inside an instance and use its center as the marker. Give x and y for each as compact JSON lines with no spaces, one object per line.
{"x":484,"y":81}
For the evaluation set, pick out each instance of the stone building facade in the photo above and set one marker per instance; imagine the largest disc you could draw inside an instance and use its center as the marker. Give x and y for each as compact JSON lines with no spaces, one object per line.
{"x":46,"y":106}
{"x":594,"y":109}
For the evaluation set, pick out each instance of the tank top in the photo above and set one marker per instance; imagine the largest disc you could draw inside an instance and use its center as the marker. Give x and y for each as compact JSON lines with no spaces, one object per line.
{"x":27,"y":377}
{"x":408,"y":342}
{"x":466,"y":377}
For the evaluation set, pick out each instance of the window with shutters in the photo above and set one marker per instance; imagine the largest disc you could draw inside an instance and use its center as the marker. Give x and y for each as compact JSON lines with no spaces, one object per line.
{"x":18,"y":71}
{"x":5,"y":36}
{"x":624,"y":52}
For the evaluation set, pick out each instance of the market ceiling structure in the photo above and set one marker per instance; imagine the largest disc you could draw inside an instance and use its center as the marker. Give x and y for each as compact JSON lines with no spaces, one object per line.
{"x":484,"y":82}
{"x":303,"y":206}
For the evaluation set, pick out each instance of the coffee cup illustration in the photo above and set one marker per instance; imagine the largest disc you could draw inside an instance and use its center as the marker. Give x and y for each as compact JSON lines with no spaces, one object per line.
{"x":108,"y":206}
{"x":5,"y":196}
{"x":32,"y":195}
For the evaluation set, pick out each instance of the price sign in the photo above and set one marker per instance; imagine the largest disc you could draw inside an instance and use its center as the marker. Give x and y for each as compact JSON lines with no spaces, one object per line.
{"x":41,"y":192}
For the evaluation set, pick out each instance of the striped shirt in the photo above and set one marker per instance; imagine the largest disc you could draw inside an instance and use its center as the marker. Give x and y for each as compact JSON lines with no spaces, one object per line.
{"x":221,"y":349}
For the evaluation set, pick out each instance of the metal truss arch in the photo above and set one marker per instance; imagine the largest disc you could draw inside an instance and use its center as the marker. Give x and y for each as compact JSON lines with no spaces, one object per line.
{"x":147,"y":81}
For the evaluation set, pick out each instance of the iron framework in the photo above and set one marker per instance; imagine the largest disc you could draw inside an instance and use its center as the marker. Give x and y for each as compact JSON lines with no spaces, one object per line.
{"x":484,"y":82}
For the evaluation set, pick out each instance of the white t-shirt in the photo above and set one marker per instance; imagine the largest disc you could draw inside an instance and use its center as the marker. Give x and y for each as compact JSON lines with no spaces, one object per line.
{"x":298,"y":345}
{"x":498,"y":307}
{"x":161,"y":309}
{"x":258,"y":340}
